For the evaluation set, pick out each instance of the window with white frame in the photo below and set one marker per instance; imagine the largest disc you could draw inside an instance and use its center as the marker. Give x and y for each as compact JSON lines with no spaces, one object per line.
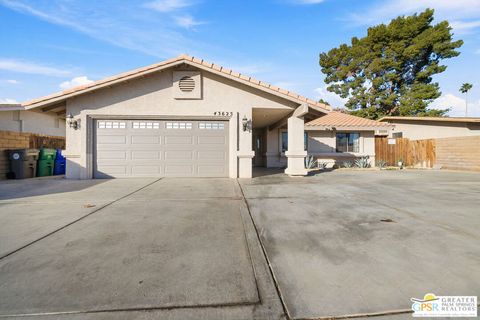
{"x":145,"y":125}
{"x":211,"y":126}
{"x":284,"y":141}
{"x":348,"y":142}
{"x":111,"y":125}
{"x":178,"y":125}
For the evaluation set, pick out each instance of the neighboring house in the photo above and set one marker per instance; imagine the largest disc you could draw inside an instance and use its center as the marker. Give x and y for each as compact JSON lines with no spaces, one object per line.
{"x":418,"y":128}
{"x":338,"y":137}
{"x":188,"y":117}
{"x":14,"y":118}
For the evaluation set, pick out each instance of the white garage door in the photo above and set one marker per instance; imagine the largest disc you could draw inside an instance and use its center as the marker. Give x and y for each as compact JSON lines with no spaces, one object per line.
{"x":160,"y":148}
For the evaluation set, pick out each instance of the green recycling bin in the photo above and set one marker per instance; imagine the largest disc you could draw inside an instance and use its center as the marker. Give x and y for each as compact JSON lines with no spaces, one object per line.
{"x":46,"y":162}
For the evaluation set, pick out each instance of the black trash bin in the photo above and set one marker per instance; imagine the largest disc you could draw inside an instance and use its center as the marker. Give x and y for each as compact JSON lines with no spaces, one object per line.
{"x":23,"y":163}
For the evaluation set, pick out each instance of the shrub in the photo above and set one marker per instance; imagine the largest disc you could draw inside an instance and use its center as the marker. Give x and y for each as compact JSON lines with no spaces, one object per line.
{"x":381,"y":164}
{"x":362,"y":162}
{"x":347,"y":164}
{"x":310,"y":162}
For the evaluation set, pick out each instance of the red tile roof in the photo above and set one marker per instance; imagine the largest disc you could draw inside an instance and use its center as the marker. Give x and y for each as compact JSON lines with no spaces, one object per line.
{"x":339,"y":119}
{"x":171,"y":62}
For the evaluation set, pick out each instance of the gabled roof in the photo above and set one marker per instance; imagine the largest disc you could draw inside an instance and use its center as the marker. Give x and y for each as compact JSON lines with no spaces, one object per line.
{"x":437,"y":119}
{"x":199,"y":63}
{"x":342,"y":120}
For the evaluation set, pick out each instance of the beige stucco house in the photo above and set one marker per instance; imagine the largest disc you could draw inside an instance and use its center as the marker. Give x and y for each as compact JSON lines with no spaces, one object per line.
{"x":417,"y":128}
{"x":14,"y":118}
{"x":189,"y":117}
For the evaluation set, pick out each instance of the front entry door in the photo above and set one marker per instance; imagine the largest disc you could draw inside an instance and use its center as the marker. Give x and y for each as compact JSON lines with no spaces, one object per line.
{"x":258,"y":147}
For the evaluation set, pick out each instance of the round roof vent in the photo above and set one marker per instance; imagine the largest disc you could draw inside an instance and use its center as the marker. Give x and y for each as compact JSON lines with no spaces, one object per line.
{"x":186,"y":84}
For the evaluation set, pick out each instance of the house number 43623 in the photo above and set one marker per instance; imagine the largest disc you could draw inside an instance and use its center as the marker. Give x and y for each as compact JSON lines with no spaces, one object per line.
{"x":223,"y":113}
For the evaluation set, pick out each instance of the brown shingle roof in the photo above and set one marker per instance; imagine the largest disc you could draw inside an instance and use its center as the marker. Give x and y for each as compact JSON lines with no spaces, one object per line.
{"x":175,"y":61}
{"x":339,"y":119}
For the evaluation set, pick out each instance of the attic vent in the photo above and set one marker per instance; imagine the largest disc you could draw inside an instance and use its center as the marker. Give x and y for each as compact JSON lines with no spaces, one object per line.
{"x":186,"y":84}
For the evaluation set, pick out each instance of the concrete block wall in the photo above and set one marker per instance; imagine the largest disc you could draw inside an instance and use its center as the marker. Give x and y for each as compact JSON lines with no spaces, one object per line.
{"x":459,"y":153}
{"x":11,"y":140}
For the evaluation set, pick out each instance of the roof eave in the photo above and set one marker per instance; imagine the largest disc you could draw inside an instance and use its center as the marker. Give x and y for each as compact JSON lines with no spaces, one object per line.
{"x":345,"y":128}
{"x":287,"y":95}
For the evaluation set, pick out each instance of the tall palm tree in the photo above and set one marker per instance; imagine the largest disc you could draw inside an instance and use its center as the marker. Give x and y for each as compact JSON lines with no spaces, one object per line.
{"x":464,"y":89}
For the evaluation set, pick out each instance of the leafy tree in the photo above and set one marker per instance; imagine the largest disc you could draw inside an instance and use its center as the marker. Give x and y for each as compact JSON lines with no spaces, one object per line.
{"x":323,"y":101}
{"x":389,"y":72}
{"x":464,"y":89}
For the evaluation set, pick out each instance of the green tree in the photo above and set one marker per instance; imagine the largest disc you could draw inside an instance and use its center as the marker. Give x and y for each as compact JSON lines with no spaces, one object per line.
{"x":464,"y":89}
{"x":323,"y":101}
{"x":389,"y":71}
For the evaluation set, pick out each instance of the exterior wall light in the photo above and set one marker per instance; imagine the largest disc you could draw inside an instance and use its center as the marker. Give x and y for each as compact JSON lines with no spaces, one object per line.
{"x":245,"y":123}
{"x":72,"y":123}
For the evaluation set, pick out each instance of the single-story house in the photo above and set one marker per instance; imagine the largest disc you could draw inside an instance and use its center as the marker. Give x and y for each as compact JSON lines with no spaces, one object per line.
{"x":188,"y":117}
{"x":418,"y":128}
{"x":14,"y":118}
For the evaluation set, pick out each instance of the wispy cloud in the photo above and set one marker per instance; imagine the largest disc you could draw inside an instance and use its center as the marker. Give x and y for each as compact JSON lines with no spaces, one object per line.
{"x":8,"y":101}
{"x":75,"y":82}
{"x":106,"y":21}
{"x":167,"y":5}
{"x":460,"y":11}
{"x":333,"y":99}
{"x":21,"y":66}
{"x":457,"y":105}
{"x":12,"y":81}
{"x":306,"y":1}
{"x":187,"y":22}
{"x":462,"y":27}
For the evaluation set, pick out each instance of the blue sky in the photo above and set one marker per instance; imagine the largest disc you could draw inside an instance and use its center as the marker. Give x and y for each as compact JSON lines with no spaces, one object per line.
{"x":50,"y":45}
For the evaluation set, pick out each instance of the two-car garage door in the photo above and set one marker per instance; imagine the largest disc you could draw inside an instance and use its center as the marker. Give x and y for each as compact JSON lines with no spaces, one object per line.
{"x":159,"y":148}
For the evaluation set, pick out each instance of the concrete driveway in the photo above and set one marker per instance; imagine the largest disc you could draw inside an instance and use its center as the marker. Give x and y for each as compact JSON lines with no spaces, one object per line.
{"x":136,"y":248}
{"x":365,"y":242}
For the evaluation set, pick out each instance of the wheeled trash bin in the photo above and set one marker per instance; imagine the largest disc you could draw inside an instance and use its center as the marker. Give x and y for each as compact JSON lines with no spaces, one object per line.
{"x":46,"y":160}
{"x":59,"y":165}
{"x":23,"y":163}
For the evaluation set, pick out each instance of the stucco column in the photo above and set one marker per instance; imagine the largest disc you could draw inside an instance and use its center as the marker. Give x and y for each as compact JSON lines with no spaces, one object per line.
{"x":295,"y":153}
{"x":245,"y":153}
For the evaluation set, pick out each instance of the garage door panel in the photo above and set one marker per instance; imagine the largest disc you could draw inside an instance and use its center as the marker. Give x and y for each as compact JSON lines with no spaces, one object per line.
{"x":111,"y":139}
{"x":161,"y":148}
{"x":179,"y":170}
{"x":146,"y":170}
{"x":211,"y":155}
{"x":112,"y":155}
{"x":212,"y":140}
{"x":145,"y":139}
{"x":176,"y":140}
{"x":145,"y":155}
{"x":209,"y":170}
{"x":179,"y":155}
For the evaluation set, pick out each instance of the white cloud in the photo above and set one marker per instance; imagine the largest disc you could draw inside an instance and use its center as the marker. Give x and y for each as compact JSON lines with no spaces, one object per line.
{"x":457,"y":105}
{"x":8,"y":101}
{"x":12,"y":81}
{"x":334,"y":100}
{"x":187,"y":22}
{"x":21,"y":66}
{"x":307,"y":1}
{"x":462,"y":27}
{"x":77,"y":81}
{"x":126,"y":26}
{"x":167,"y":5}
{"x":460,"y":11}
